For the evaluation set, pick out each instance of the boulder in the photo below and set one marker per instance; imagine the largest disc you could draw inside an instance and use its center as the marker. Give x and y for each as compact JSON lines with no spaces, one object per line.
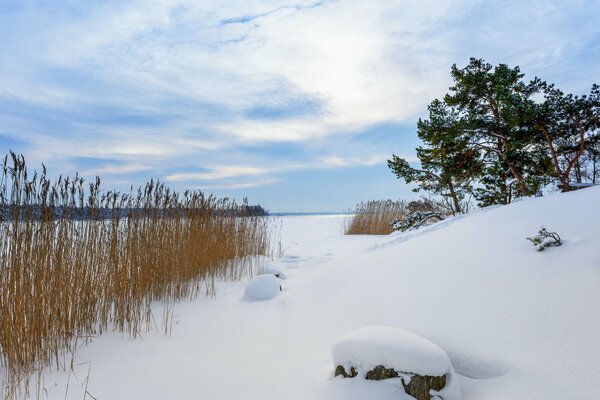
{"x":418,"y":386}
{"x":377,"y":353}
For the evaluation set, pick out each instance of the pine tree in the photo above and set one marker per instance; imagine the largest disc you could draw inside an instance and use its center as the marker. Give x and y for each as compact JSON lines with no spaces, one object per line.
{"x":569,"y":125}
{"x":448,"y":165}
{"x":499,"y":138}
{"x":493,"y":101}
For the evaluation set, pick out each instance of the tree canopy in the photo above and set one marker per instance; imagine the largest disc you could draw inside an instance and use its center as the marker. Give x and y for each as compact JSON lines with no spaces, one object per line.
{"x":496,"y":137}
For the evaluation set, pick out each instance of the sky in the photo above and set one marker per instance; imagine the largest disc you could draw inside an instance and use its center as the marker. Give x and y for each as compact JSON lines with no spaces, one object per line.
{"x":296,"y":105}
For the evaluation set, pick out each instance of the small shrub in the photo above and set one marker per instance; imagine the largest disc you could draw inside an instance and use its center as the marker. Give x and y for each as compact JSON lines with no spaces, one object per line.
{"x":421,"y":212}
{"x":415,"y":220}
{"x":545,"y":239}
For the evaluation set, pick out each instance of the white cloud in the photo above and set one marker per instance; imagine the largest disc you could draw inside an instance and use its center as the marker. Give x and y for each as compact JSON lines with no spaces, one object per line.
{"x":229,"y":172}
{"x":345,"y":54}
{"x":218,"y":173}
{"x":365,"y":160}
{"x":116,"y":169}
{"x":241,"y":185}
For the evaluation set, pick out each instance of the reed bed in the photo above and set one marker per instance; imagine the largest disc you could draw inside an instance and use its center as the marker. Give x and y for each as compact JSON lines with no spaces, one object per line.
{"x":374,"y":217}
{"x":76,"y":261}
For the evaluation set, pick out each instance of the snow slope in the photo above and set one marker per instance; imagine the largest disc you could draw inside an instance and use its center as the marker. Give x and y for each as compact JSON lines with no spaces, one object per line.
{"x":516,"y":323}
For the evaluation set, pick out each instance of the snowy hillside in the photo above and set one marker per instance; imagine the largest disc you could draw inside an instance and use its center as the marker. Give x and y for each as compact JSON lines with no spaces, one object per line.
{"x":516,"y":323}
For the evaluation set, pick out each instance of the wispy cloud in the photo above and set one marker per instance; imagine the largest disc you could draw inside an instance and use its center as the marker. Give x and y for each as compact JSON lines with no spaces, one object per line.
{"x":217,"y":173}
{"x":248,"y":18}
{"x":339,"y":161}
{"x":116,"y":169}
{"x":242,"y":185}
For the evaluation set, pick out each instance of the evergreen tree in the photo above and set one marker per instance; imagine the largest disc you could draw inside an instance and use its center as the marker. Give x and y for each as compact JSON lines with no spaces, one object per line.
{"x":592,"y":160}
{"x":494,"y":136}
{"x":569,"y":125}
{"x":448,"y":165}
{"x":493,"y":102}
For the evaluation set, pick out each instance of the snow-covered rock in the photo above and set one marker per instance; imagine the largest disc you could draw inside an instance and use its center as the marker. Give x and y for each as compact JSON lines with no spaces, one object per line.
{"x":381,"y":352}
{"x":278,"y":273}
{"x":366,"y":348}
{"x":263,"y":287}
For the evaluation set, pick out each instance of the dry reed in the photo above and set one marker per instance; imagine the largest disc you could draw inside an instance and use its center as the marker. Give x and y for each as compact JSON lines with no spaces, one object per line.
{"x":77,"y":262}
{"x":374,"y":217}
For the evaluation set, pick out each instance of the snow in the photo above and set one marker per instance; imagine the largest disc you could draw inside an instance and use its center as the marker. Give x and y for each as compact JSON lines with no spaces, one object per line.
{"x":515,"y":323}
{"x":263,"y":287}
{"x":402,"y":351}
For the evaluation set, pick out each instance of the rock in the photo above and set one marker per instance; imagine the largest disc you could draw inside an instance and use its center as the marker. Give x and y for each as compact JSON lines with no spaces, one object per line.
{"x":380,"y":372}
{"x":339,"y":370}
{"x":418,"y":386}
{"x":378,"y":353}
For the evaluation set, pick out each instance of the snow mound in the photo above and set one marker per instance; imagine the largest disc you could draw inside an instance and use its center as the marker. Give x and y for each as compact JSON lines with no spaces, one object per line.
{"x":274,"y":271}
{"x":263,"y":287}
{"x":366,"y":348}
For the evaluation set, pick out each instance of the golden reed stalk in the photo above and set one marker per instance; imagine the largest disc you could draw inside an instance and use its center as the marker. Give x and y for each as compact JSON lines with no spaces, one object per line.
{"x":374,"y":217}
{"x":77,"y":262}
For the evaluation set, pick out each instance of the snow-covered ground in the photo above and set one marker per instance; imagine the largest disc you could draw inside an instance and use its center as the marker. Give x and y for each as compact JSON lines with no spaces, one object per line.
{"x":515,"y":323}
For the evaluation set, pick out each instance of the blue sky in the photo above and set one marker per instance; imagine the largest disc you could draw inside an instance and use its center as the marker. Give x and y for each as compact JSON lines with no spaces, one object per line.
{"x":296,"y":105}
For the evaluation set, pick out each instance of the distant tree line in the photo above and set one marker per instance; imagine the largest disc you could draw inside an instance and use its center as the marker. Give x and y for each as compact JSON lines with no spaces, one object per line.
{"x":36,"y":212}
{"x":495,"y":137}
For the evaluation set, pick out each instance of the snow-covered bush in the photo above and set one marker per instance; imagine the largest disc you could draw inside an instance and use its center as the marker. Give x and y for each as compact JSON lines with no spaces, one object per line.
{"x":545,"y":239}
{"x":382,"y":352}
{"x":263,"y":287}
{"x":415,"y":220}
